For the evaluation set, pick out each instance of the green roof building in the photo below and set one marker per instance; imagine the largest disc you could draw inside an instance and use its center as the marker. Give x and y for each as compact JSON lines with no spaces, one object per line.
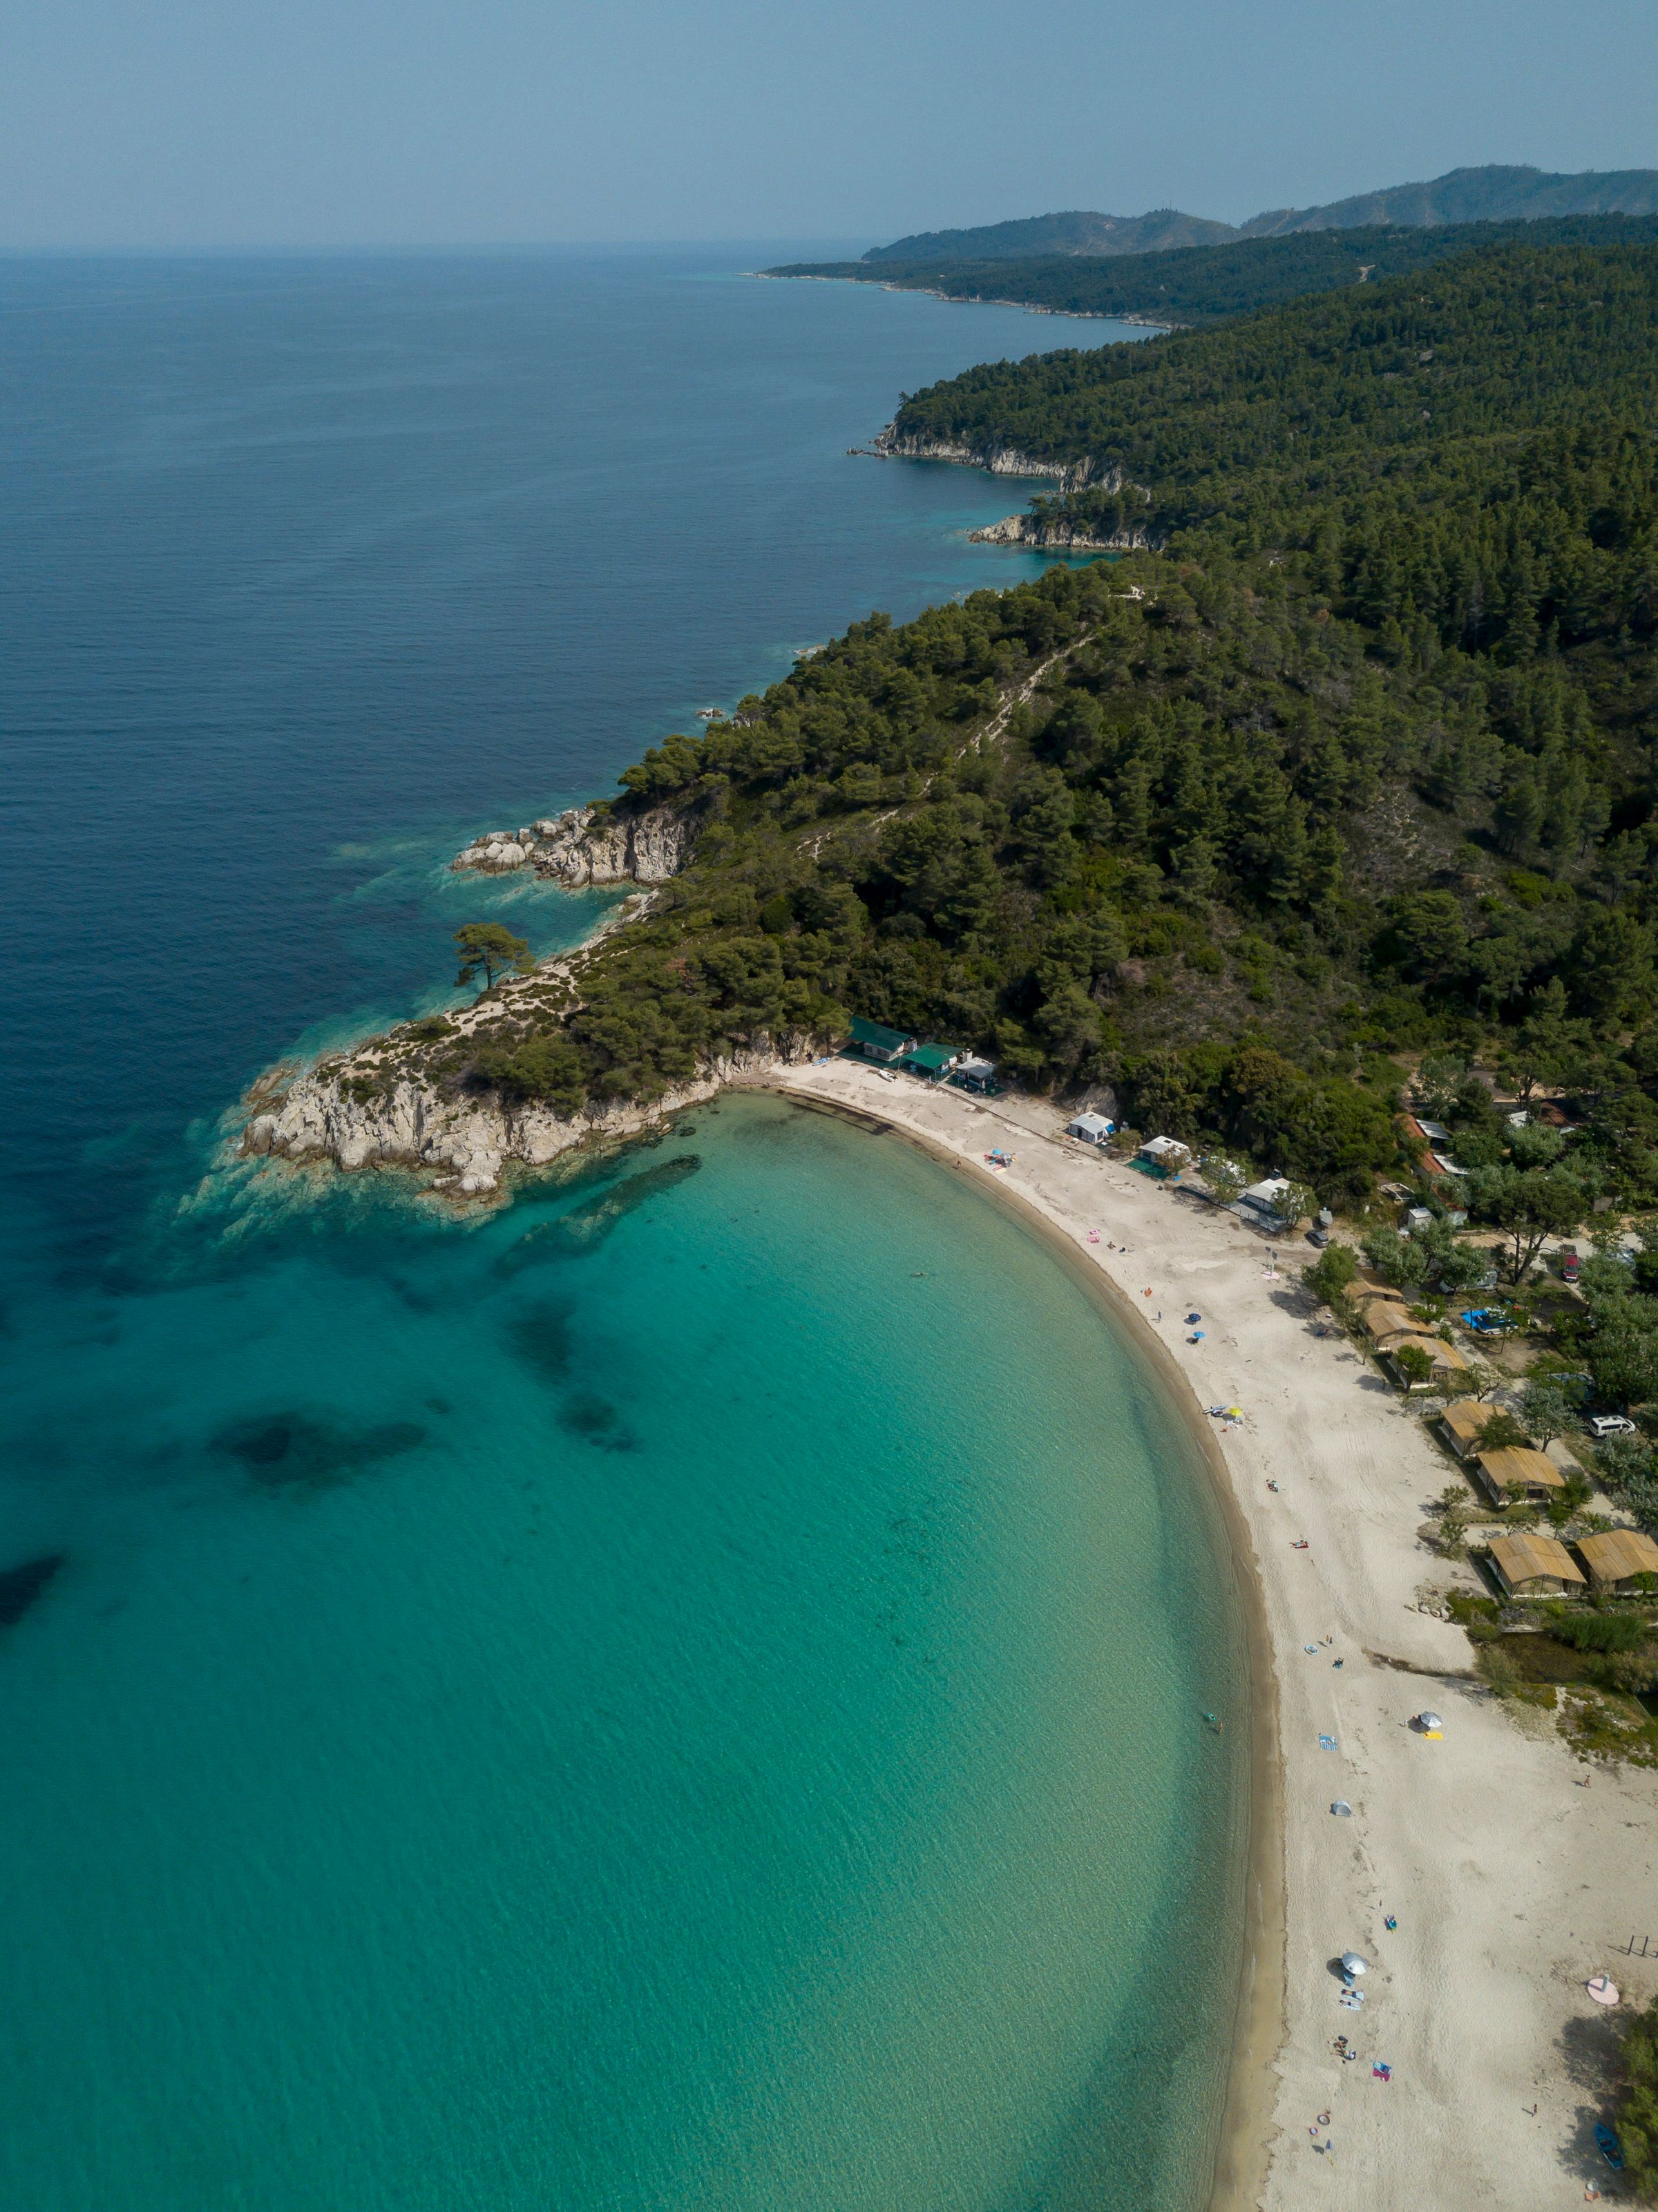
{"x":934,"y":1060}
{"x":875,"y":1042}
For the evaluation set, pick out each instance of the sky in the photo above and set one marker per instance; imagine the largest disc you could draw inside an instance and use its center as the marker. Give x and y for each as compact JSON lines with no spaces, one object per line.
{"x":158,"y":124}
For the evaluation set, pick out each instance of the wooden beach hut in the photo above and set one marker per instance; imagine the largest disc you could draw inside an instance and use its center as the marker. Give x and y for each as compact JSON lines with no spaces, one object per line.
{"x":1535,"y":1566}
{"x":1444,"y":1361}
{"x":1463,"y":1422}
{"x":1536,"y":1474}
{"x":1617,"y":1560}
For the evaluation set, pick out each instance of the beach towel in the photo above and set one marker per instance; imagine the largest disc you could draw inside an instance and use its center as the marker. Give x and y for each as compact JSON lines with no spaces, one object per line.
{"x":1326,"y":1743}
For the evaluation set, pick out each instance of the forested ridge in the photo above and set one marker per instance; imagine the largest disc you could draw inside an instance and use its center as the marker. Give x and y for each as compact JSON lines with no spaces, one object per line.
{"x":1360,"y":762}
{"x":1199,"y":284}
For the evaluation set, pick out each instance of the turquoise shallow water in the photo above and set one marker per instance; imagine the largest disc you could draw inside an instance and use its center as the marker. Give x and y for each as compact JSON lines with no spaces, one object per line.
{"x":685,"y":1693}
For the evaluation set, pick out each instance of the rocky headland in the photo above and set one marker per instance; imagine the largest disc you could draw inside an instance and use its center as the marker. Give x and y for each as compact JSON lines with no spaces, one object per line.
{"x":380,"y":1107}
{"x":586,"y":846}
{"x":392,"y":1101}
{"x":1042,"y":535}
{"x":893,"y":444}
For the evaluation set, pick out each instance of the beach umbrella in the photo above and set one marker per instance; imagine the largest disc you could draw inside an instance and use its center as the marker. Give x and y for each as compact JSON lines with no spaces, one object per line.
{"x":1430,"y":1723}
{"x":1352,"y":1963}
{"x":1342,"y":1809}
{"x":1602,"y":1990}
{"x":1235,"y":1412}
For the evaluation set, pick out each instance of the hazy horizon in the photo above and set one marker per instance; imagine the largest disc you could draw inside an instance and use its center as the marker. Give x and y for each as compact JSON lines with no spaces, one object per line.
{"x":323,"y":128}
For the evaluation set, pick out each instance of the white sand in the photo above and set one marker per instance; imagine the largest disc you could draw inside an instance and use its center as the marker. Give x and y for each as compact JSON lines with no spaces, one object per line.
{"x":1511,"y":1885}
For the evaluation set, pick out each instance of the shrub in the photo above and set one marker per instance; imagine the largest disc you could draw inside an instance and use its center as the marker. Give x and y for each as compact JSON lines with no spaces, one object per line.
{"x":1330,"y":1273}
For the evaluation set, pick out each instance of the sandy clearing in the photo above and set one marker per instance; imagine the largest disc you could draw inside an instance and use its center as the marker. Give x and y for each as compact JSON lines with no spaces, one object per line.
{"x":1511,"y":1884}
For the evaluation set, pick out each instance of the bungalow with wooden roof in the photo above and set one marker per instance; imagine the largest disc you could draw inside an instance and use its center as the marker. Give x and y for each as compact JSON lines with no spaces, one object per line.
{"x":1445,"y":1362}
{"x":1616,"y":1560}
{"x":1535,"y":1471}
{"x":1384,"y":1316}
{"x":1535,"y":1566}
{"x":1464,"y":1421}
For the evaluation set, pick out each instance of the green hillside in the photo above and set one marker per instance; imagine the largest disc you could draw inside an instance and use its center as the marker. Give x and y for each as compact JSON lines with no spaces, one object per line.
{"x":1207,"y":283}
{"x":1363,"y":759}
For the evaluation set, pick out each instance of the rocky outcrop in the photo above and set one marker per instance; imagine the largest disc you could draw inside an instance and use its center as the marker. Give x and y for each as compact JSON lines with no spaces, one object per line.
{"x":1033,"y":531}
{"x":344,"y":1115}
{"x":578,"y":848}
{"x":1001,"y":460}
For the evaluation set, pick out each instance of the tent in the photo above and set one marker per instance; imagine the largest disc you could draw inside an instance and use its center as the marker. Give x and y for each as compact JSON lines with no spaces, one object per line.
{"x":1342,"y":1809}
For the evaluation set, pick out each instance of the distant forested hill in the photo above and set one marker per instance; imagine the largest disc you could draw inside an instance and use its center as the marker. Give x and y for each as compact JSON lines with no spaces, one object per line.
{"x":1205,"y":284}
{"x":1494,"y":193}
{"x":1076,"y":232}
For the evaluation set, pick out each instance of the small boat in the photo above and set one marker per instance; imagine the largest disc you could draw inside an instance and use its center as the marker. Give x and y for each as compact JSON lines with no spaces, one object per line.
{"x":1609,"y":2146}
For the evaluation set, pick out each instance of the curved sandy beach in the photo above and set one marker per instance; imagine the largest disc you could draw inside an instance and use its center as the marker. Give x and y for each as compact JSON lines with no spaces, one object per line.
{"x":1511,"y":1885}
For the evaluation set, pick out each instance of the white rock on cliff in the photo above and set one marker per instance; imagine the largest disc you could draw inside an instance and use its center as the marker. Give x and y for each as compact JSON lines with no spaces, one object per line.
{"x":575,"y":850}
{"x":470,"y":1140}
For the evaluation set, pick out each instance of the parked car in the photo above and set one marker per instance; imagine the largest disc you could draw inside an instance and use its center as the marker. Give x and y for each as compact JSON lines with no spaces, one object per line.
{"x":1612,"y":1425}
{"x":1569,"y":1263}
{"x":1319,"y":1237}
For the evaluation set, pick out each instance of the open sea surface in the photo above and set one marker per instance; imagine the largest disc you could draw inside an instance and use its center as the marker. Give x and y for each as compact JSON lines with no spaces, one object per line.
{"x":685,"y":1692}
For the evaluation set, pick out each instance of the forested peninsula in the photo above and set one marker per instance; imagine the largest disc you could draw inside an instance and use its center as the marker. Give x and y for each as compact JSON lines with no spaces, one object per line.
{"x":1360,"y":759}
{"x":1194,"y":285}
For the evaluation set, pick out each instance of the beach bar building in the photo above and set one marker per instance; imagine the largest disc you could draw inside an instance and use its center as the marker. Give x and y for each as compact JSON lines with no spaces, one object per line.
{"x":1618,"y":1560}
{"x":1535,"y":1472}
{"x":876,"y":1042}
{"x":1535,"y":1566}
{"x":934,"y":1061}
{"x":1091,"y":1129}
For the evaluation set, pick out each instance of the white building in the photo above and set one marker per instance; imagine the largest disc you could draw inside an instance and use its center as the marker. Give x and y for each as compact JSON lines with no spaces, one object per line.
{"x":1092,"y":1128}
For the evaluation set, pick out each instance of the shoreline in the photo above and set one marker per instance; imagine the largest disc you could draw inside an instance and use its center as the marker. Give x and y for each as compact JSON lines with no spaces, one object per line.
{"x":977,"y":299}
{"x":1510,"y":1883}
{"x":1244,"y":2137}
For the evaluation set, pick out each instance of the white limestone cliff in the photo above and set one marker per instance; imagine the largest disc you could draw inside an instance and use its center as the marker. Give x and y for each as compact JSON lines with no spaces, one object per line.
{"x":466,"y":1142}
{"x":1030,"y":530}
{"x":575,"y":849}
{"x":1000,"y":460}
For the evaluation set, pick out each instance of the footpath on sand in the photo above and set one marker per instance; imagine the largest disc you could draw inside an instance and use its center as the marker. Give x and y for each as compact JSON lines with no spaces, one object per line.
{"x":1482,"y":1885}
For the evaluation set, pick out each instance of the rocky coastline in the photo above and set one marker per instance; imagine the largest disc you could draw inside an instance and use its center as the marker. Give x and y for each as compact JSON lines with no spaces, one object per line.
{"x":386,"y":1104}
{"x":1030,"y":530}
{"x":893,"y":444}
{"x":347,"y":1114}
{"x":583,"y":847}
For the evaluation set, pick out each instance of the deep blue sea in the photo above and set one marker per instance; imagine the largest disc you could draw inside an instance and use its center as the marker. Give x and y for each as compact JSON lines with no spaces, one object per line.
{"x":686,"y":1692}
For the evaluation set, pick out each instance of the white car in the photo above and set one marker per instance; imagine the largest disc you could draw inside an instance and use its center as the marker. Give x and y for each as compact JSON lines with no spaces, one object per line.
{"x":1612,"y":1425}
